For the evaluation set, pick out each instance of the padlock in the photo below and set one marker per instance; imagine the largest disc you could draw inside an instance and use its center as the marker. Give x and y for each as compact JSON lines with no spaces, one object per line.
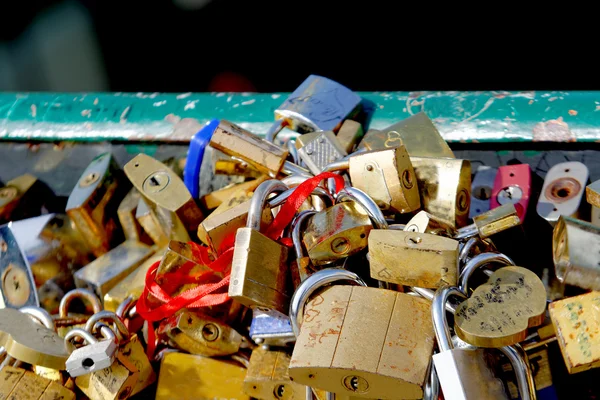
{"x":230,"y":196}
{"x":271,"y":328}
{"x":327,"y":354}
{"x":65,"y":319}
{"x":318,"y":104}
{"x":302,"y":267}
{"x":132,"y":285}
{"x":259,"y":271}
{"x":462,"y":373}
{"x":576,"y":253}
{"x":499,"y":312}
{"x":471,"y":264}
{"x":412,"y":258}
{"x":17,"y":383}
{"x":350,"y":134}
{"x":232,"y":166}
{"x":159,"y":234}
{"x":116,"y":382}
{"x":129,"y":347}
{"x":24,"y":197}
{"x":27,"y":341}
{"x":562,"y":191}
{"x":195,"y":157}
{"x":445,"y":187}
{"x":336,"y":232}
{"x":219,"y":228}
{"x":61,"y":230}
{"x":93,"y":356}
{"x":188,"y":376}
{"x":481,"y":189}
{"x":417,"y":133}
{"x":318,"y":149}
{"x":576,"y":321}
{"x":166,"y":195}
{"x":491,"y":222}
{"x":93,"y":204}
{"x":106,"y":271}
{"x":126,"y":212}
{"x":17,"y":286}
{"x":423,"y":222}
{"x":592,"y":193}
{"x":197,"y":333}
{"x":268,"y":378}
{"x":512,"y":186}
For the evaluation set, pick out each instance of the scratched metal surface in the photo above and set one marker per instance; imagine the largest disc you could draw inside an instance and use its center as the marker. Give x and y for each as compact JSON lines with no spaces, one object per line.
{"x":460,"y":116}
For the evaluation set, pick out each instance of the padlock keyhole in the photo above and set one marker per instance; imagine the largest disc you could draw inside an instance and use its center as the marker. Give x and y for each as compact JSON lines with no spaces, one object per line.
{"x":563,"y":192}
{"x":87,"y":363}
{"x":279,"y":391}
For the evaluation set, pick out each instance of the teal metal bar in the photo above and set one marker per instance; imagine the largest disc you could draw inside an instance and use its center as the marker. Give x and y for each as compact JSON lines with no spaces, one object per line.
{"x":460,"y":116}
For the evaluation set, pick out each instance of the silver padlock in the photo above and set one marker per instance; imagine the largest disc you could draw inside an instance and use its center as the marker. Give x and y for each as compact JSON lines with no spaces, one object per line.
{"x":319,"y":149}
{"x":95,"y":355}
{"x":271,"y":328}
{"x":481,"y":190}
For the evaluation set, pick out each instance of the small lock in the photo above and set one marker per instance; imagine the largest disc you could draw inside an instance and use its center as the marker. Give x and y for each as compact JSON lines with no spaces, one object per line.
{"x":481,"y":190}
{"x":17,"y":383}
{"x":412,"y":258}
{"x":423,"y":222}
{"x":231,"y":195}
{"x":93,"y":356}
{"x":350,"y":134}
{"x":512,"y":186}
{"x":166,"y":195}
{"x":562,"y":191}
{"x":445,"y":187}
{"x":106,"y":271}
{"x":491,"y":222}
{"x":151,"y":225}
{"x":127,"y":217}
{"x":271,"y":328}
{"x":17,"y":286}
{"x":318,"y":149}
{"x":61,"y":231}
{"x":417,"y":133}
{"x":259,"y":272}
{"x":592,"y":193}
{"x":268,"y":377}
{"x":200,"y":334}
{"x":24,"y":197}
{"x":576,"y":253}
{"x":190,"y":376}
{"x":93,"y":203}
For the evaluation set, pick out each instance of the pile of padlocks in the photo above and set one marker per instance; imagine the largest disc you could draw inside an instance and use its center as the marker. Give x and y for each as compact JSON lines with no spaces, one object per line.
{"x":336,"y":266}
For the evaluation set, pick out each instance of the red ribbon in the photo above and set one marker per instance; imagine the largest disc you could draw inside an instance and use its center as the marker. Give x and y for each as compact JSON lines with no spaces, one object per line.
{"x":204,"y":294}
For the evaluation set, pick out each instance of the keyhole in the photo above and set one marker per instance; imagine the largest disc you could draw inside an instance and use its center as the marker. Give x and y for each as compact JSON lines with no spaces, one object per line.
{"x":87,"y":363}
{"x":210,"y":332}
{"x":279,"y":391}
{"x":356,"y":384}
{"x":483,"y":193}
{"x":156,"y":182}
{"x":463,"y":201}
{"x":340,"y":245}
{"x":416,"y":239}
{"x":90,"y":179}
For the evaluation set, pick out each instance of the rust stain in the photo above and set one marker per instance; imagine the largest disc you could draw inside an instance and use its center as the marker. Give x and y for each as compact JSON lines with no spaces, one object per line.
{"x":554,"y":130}
{"x":530,"y":102}
{"x":552,"y":99}
{"x":572,"y":112}
{"x":571,"y":336}
{"x":410,"y":352}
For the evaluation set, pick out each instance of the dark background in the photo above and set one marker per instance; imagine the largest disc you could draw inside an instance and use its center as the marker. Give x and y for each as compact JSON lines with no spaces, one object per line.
{"x":266,"y":46}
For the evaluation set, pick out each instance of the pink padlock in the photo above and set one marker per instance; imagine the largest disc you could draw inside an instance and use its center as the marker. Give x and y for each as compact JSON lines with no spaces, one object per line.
{"x":512,"y":185}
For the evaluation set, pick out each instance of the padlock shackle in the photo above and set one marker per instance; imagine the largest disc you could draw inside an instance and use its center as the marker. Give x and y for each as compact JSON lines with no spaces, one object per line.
{"x":282,"y":198}
{"x":125,"y":307}
{"x":478,"y":261}
{"x":40,"y":315}
{"x":520,"y":364}
{"x":313,"y":283}
{"x":104,"y":315}
{"x":259,"y":201}
{"x":466,"y":249}
{"x":80,"y":333}
{"x":63,"y":308}
{"x":360,"y":197}
{"x":297,"y":227}
{"x":438,"y":315}
{"x":340,"y":165}
{"x":290,"y":168}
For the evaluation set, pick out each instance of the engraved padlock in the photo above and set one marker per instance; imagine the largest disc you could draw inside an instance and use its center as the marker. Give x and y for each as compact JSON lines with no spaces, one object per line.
{"x":93,"y":356}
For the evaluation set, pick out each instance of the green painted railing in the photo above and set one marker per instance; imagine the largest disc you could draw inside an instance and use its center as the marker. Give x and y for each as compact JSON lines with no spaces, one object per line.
{"x":460,"y":116}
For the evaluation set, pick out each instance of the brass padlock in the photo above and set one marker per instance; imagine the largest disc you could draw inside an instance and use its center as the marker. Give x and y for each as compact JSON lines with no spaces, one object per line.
{"x":106,"y":271}
{"x":268,"y":378}
{"x":417,"y":133}
{"x":17,"y":383}
{"x":576,"y":321}
{"x":592,"y":193}
{"x":445,"y":188}
{"x":413,"y":258}
{"x":127,"y":217}
{"x":226,"y":165}
{"x":302,"y":267}
{"x":188,"y":376}
{"x":350,"y":133}
{"x":423,"y":222}
{"x":318,"y":149}
{"x":17,"y":288}
{"x":24,"y":197}
{"x":150,"y":224}
{"x":259,"y":271}
{"x":60,"y":230}
{"x":330,"y":352}
{"x":94,"y":201}
{"x":491,"y":222}
{"x":166,"y":195}
{"x":200,"y":334}
{"x":576,"y":253}
{"x":231,"y":195}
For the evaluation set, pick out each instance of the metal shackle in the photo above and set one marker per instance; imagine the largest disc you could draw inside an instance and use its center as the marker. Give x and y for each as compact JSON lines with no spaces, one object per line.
{"x":125,"y":308}
{"x":478,"y":261}
{"x":310,"y":285}
{"x":259,"y":200}
{"x":438,"y":315}
{"x":318,"y":191}
{"x":40,"y":315}
{"x":360,"y":197}
{"x":520,"y":364}
{"x":63,"y":308}
{"x":92,"y":323}
{"x":297,"y":226}
{"x":87,"y":336}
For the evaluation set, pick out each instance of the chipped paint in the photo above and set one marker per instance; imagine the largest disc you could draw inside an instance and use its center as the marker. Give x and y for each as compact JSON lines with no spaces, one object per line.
{"x":160,"y":103}
{"x":183,"y":95}
{"x":555,"y":130}
{"x":248,"y":102}
{"x":190,"y":105}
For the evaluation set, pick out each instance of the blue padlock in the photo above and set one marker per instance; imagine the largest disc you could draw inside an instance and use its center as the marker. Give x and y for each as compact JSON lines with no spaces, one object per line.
{"x":191,"y":172}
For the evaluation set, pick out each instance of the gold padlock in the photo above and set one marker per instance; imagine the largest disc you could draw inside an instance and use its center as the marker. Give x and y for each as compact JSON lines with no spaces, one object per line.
{"x":268,"y":378}
{"x":413,"y":258}
{"x":491,"y":222}
{"x":17,"y":383}
{"x":200,"y":334}
{"x":60,"y":230}
{"x":23,"y":197}
{"x":150,"y":223}
{"x":225,"y":165}
{"x":166,"y":195}
{"x":331,"y":352}
{"x":188,"y":376}
{"x":423,"y":222}
{"x":417,"y":133}
{"x":350,"y":133}
{"x":337,"y":232}
{"x":127,"y":217}
{"x":106,"y":271}
{"x":445,"y":188}
{"x":93,"y":204}
{"x":231,"y":195}
{"x":259,"y":271}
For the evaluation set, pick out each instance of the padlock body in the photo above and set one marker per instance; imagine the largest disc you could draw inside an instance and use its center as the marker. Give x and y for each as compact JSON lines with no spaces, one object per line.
{"x":321,"y":149}
{"x":268,"y":378}
{"x":562,"y":191}
{"x":497,"y":220}
{"x":512,"y":185}
{"x":113,"y":383}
